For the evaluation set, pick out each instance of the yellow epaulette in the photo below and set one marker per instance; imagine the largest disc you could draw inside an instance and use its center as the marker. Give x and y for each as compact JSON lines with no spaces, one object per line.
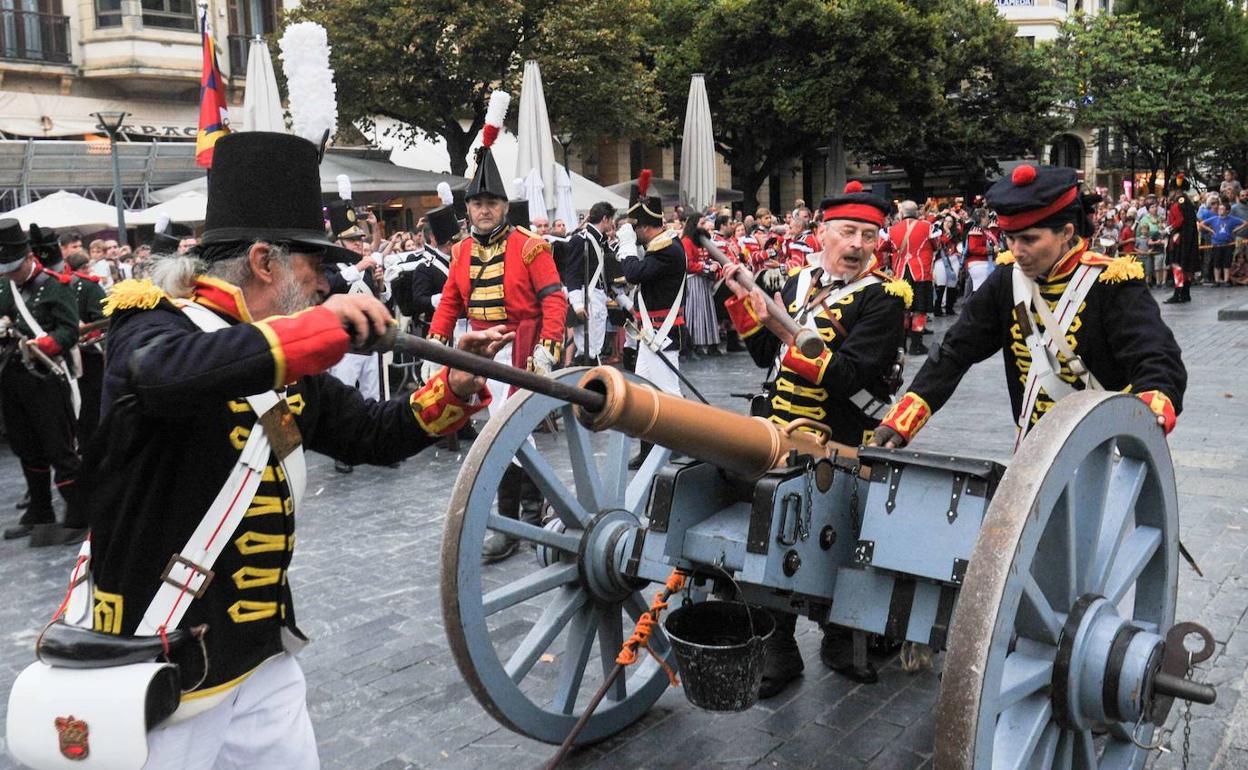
{"x":133,"y":293}
{"x":1005,"y":258}
{"x":1094,"y":258}
{"x":660,"y":242}
{"x":1118,"y":269}
{"x":533,"y":246}
{"x":897,"y":287}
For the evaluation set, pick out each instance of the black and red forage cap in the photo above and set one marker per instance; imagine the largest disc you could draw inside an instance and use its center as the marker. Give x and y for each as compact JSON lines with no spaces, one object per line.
{"x":856,"y":204}
{"x":1035,"y":195}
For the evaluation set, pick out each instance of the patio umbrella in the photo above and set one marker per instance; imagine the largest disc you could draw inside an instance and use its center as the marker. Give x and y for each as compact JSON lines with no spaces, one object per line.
{"x":697,"y":150}
{"x":534,"y":194}
{"x":536,"y":149}
{"x":262,"y":102}
{"x":65,"y":209}
{"x":187,"y":208}
{"x":564,"y":208}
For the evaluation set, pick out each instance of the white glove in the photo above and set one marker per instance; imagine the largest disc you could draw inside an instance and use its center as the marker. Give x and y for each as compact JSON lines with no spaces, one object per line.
{"x":624,"y":301}
{"x":435,"y":299}
{"x":627,"y":239}
{"x":429,"y":370}
{"x":543,"y":362}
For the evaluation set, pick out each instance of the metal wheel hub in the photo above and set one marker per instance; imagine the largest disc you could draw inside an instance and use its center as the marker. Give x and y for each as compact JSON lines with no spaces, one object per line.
{"x":1104,"y":666}
{"x":601,"y":556}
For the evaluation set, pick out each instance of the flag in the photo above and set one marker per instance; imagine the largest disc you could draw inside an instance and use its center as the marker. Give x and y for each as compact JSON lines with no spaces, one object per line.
{"x":214,"y":117}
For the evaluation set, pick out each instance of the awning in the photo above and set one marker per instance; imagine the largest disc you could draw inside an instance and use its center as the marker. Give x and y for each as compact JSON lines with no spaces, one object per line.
{"x":52,"y":115}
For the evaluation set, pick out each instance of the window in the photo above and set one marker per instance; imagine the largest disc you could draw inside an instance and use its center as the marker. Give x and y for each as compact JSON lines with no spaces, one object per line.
{"x":170,"y":14}
{"x":107,"y":13}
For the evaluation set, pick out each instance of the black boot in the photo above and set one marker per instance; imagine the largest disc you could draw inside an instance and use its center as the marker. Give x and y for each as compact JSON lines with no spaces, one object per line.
{"x":917,"y":348}
{"x":1187,"y":293}
{"x":24,"y":503}
{"x":940,"y":301}
{"x":1176,"y":297}
{"x":951,"y":298}
{"x":642,"y":453}
{"x":782,"y":661}
{"x":499,"y":546}
{"x":844,"y":650}
{"x":39,"y":485}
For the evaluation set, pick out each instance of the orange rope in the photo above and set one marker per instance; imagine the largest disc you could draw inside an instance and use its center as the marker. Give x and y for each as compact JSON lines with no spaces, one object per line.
{"x":646,"y":624}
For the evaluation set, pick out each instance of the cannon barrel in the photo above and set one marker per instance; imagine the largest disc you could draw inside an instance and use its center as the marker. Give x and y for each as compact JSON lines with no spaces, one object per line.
{"x":745,"y":446}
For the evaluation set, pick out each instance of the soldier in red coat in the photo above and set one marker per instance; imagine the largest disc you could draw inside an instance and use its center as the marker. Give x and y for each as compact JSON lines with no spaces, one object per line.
{"x":504,"y":275}
{"x":913,"y":244}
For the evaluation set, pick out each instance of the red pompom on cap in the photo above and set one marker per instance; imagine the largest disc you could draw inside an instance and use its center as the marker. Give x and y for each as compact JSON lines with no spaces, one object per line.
{"x":854,"y":186}
{"x":1023,"y":175}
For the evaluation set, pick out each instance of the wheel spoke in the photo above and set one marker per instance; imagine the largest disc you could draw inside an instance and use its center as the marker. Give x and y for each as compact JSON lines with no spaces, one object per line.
{"x":575,"y":656}
{"x":1087,"y":494}
{"x":638,"y":492}
{"x":554,"y":618}
{"x":1134,"y":555}
{"x":1084,"y":751}
{"x":533,"y":533}
{"x":589,"y":489}
{"x":1024,"y":675}
{"x":610,"y":640}
{"x":616,"y":481}
{"x":1046,"y":751}
{"x":532,"y":584}
{"x":1018,"y":732}
{"x":1065,"y":750}
{"x":637,"y":606}
{"x":1124,"y":491}
{"x":1049,"y":624}
{"x":568,"y":508}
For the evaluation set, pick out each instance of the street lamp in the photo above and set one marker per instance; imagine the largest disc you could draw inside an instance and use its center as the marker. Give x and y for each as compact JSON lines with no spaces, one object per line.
{"x":110,"y":123}
{"x":564,"y":138}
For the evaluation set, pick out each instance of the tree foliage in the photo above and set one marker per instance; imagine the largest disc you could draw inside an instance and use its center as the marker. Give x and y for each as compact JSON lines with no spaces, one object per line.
{"x":431,"y":64}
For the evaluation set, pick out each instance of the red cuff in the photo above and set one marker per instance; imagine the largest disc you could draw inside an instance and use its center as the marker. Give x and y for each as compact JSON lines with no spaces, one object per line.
{"x":439,"y":411}
{"x":908,"y":415}
{"x":809,"y":369}
{"x":308,"y":342}
{"x":742,"y":314}
{"x":48,"y":346}
{"x":1162,"y":407}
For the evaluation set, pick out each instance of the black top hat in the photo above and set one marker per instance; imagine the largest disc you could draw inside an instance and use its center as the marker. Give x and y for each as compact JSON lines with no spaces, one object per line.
{"x":14,"y":245}
{"x":443,"y":224}
{"x":343,"y":223}
{"x":45,"y":245}
{"x":646,"y":209}
{"x":518,"y":215}
{"x":265,"y":186}
{"x":1035,"y":195}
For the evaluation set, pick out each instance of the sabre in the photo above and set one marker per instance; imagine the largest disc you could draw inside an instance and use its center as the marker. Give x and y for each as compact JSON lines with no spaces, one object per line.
{"x":647,"y":339}
{"x":806,"y":340}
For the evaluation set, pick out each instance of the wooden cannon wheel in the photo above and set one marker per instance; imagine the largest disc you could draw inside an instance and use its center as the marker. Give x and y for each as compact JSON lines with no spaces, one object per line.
{"x":1087,"y":510}
{"x":527,"y":648}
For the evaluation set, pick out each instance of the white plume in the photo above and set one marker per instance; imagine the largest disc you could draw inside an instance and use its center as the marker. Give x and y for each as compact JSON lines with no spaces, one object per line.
{"x":344,"y":187}
{"x":309,"y":81}
{"x":494,"y":114}
{"x":162,"y":224}
{"x":444,"y":194}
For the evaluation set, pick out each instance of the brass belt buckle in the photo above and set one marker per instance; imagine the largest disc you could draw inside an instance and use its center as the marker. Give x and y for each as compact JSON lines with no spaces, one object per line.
{"x":179,"y":560}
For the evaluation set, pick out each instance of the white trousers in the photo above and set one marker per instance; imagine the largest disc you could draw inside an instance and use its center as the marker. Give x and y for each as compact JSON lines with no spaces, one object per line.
{"x":650,"y":366}
{"x":941,"y":276}
{"x":597,"y":321}
{"x":263,"y":723}
{"x":356,"y":370}
{"x":978,"y":271}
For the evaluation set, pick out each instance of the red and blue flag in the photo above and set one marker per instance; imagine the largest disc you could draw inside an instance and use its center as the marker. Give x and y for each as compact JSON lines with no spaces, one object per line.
{"x":214,"y":116}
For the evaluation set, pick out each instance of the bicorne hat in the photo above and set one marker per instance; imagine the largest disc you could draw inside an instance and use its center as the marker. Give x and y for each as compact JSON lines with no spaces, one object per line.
{"x":14,"y":245}
{"x":644,"y":208}
{"x":266,"y":186}
{"x":486,"y":181}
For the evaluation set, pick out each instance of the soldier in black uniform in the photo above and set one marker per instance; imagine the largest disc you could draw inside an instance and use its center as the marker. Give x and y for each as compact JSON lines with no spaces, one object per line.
{"x":179,"y":414}
{"x":90,"y":297}
{"x":441,"y":227}
{"x":37,"y":400}
{"x":1112,"y":335}
{"x":591,"y":274}
{"x":859,"y":311}
{"x":658,"y":272}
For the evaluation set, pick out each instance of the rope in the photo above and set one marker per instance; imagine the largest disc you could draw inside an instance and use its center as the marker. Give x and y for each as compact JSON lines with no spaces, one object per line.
{"x":646,"y":625}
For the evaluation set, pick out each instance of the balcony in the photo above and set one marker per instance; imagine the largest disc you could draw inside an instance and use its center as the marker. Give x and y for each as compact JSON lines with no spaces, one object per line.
{"x":30,"y":36}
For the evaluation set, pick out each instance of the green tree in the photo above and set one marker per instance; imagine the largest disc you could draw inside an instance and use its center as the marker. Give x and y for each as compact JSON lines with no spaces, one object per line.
{"x":784,"y":77}
{"x":990,"y":99}
{"x":1115,"y":71}
{"x":431,"y":64}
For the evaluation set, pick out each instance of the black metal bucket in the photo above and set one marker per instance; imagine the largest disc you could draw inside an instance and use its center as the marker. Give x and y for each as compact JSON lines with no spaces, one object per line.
{"x":719,"y":649}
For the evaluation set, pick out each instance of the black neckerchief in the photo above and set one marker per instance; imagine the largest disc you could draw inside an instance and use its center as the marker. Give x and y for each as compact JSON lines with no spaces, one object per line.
{"x":493,"y":236}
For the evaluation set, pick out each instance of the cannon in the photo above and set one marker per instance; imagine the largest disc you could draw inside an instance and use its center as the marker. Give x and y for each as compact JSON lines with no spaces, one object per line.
{"x":1050,"y":585}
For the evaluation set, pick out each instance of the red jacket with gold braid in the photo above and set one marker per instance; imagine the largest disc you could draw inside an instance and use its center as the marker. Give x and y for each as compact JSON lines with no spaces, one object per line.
{"x":509,"y":278}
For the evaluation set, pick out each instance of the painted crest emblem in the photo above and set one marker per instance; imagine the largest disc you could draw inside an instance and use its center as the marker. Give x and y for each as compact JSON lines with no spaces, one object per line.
{"x":73,"y":734}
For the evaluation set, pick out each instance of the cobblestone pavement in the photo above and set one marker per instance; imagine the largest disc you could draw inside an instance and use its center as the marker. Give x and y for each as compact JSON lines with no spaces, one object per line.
{"x":385,"y":694}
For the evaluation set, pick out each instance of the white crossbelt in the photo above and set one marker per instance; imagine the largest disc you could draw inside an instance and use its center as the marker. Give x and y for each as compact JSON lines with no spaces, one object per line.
{"x":1043,"y":373}
{"x":37,"y":330}
{"x":657,"y":340}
